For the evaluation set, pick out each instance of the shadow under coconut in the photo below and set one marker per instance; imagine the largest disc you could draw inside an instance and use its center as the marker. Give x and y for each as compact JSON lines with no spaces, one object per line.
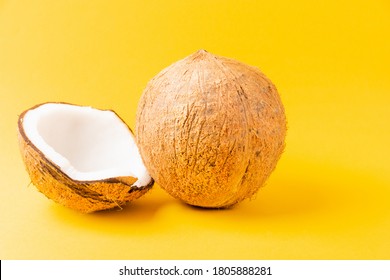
{"x":274,"y":204}
{"x":288,"y":193}
{"x":299,"y":203}
{"x":131,"y":218}
{"x":293,"y":202}
{"x":277,"y":198}
{"x":156,"y":207}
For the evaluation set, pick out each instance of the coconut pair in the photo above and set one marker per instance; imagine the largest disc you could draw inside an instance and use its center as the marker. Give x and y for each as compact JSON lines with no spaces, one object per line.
{"x":209,"y":130}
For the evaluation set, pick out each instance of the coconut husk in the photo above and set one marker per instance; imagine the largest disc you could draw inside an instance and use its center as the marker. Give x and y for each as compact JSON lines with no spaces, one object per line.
{"x":210,"y":129}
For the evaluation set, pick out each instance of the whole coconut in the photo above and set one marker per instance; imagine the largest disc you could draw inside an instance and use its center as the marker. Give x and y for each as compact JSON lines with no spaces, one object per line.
{"x":210,"y":129}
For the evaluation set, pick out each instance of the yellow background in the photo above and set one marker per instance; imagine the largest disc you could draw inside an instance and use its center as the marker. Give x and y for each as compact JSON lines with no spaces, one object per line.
{"x":329,"y":197}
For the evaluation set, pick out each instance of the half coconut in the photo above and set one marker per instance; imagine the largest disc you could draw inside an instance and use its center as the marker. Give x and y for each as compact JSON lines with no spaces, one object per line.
{"x":81,"y":157}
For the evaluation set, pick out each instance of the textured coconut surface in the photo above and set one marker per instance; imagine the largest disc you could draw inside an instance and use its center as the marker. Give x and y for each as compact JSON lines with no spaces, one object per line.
{"x":220,"y":133}
{"x":328,"y":197}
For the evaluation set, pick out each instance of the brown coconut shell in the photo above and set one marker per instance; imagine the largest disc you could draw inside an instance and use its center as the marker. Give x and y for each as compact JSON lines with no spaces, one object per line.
{"x":210,"y":129}
{"x":83,"y":196}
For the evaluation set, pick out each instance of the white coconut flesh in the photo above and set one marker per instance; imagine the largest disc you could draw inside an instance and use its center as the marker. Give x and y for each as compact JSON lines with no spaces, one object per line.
{"x":87,"y":144}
